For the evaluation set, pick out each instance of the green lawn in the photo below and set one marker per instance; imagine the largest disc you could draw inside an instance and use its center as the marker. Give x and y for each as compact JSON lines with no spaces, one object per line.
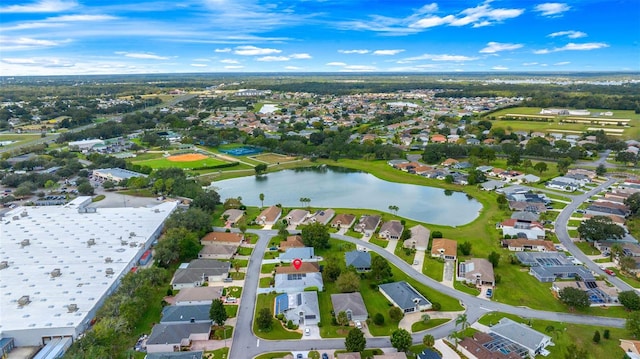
{"x":245,"y":251}
{"x":221,"y":353}
{"x":165,"y":163}
{"x":379,"y":242}
{"x":466,"y":289}
{"x":232,"y":310}
{"x":433,"y":268}
{"x":587,"y":248}
{"x":574,"y":223}
{"x":431,"y":323}
{"x":265,"y":282}
{"x":278,"y":331}
{"x":634,"y":282}
{"x":406,"y":254}
{"x":274,"y":355}
{"x":268,"y":268}
{"x":565,"y":334}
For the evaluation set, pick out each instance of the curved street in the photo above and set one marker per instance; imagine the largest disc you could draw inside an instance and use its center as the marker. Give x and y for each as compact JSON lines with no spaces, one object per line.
{"x":247,"y":345}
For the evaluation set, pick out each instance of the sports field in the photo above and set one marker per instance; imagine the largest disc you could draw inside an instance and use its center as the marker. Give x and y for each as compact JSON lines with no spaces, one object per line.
{"x":189,"y":160}
{"x":272,"y":158}
{"x":569,"y":124}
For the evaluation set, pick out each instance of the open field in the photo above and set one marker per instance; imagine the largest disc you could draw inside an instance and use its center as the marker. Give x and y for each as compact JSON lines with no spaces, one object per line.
{"x":187,"y":157}
{"x":271,"y":158}
{"x":579,"y":124}
{"x":180,"y":161}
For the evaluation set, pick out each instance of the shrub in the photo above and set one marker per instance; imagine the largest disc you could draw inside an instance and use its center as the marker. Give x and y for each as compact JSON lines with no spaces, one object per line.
{"x":436,"y":306}
{"x":169,"y":292}
{"x":606,"y":334}
{"x":280,"y":316}
{"x":378,"y":319}
{"x":436,"y":234}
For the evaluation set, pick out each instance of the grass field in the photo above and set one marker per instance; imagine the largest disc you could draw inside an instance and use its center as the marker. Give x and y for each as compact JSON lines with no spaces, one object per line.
{"x":272,"y":158}
{"x":431,"y":323}
{"x":278,"y":331}
{"x":554,"y":124}
{"x":165,"y":163}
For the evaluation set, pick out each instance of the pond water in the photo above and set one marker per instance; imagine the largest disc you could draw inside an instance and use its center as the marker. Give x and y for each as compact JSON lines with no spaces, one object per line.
{"x":335,"y":187}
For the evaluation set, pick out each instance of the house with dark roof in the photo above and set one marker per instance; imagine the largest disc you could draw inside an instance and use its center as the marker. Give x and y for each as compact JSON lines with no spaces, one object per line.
{"x":419,"y":239}
{"x":483,"y":346}
{"x":360,"y":260}
{"x":301,"y":308}
{"x":176,"y":337}
{"x":391,"y":230}
{"x":522,"y":229}
{"x":367,"y":225}
{"x":302,"y":253}
{"x":186,"y":314}
{"x":350,"y":303}
{"x":404,"y":296}
{"x":199,"y":271}
{"x":343,"y":220}
{"x":534,"y":341}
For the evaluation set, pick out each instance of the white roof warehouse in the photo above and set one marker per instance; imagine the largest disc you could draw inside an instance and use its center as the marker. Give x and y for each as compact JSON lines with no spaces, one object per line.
{"x":59,"y":263}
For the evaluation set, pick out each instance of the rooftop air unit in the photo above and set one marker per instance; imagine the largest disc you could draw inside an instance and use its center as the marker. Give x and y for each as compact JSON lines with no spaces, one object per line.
{"x":132,"y":234}
{"x":108,"y":260}
{"x":4,"y":264}
{"x":23,"y":214}
{"x":109,"y":271}
{"x":91,"y":242}
{"x":72,"y":308}
{"x":25,"y":242}
{"x":24,"y":300}
{"x":56,"y":273}
{"x":15,"y":218}
{"x":123,"y":243}
{"x":133,"y":244}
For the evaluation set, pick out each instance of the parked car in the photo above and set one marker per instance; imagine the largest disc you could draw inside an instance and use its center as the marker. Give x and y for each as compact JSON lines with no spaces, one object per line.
{"x":325,"y":356}
{"x":299,"y":356}
{"x":610,"y":272}
{"x":307,"y":331}
{"x":358,"y":324}
{"x":489,"y":293}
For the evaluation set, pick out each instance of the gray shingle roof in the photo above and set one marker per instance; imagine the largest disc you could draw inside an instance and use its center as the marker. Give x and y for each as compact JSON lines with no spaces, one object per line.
{"x":174,"y":333}
{"x":403,"y":294}
{"x":358,"y":259}
{"x":519,"y":333}
{"x":184,"y":313}
{"x":349,"y":301}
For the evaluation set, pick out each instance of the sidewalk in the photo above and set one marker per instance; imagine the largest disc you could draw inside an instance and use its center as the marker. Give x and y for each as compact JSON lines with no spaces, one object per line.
{"x":445,"y":350}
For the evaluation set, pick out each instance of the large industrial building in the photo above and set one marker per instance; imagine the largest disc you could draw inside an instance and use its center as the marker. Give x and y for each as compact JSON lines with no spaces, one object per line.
{"x":59,"y":263}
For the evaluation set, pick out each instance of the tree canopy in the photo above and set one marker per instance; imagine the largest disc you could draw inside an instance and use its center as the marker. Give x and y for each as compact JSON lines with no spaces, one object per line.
{"x":574,"y":297}
{"x":355,"y":341}
{"x":600,"y":228}
{"x":401,"y":340}
{"x":315,"y":235}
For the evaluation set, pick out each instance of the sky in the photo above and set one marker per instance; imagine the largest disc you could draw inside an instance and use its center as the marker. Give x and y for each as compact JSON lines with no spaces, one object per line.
{"x":78,"y":37}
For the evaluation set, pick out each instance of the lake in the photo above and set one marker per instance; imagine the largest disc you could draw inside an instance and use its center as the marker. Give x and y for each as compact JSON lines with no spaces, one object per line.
{"x":335,"y":187}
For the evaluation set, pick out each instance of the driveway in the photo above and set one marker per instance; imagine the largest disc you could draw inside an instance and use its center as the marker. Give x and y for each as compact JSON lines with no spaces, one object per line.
{"x":449,"y":272}
{"x":418,"y":260}
{"x":314,"y":332}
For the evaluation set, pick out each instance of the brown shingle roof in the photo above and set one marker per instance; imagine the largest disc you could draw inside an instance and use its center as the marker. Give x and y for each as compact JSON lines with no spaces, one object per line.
{"x":292,"y":242}
{"x":449,"y":245}
{"x":306,"y":267}
{"x":222,"y":237}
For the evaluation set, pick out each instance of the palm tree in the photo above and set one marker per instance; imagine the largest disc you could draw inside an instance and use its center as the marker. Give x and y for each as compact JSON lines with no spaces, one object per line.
{"x":616,"y":251}
{"x":462,"y":320}
{"x":428,"y":340}
{"x":261,"y":200}
{"x":394,"y":209}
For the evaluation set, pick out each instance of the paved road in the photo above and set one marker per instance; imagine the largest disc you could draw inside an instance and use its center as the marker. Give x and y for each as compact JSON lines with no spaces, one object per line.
{"x":563,"y":235}
{"x":247,"y":345}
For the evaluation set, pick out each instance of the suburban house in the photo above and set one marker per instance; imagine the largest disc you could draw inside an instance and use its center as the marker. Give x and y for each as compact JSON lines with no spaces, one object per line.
{"x":218,"y":251}
{"x":198,"y":295}
{"x":598,"y":291}
{"x":296,"y":217}
{"x":302,"y":253}
{"x":301,"y":308}
{"x":522,"y":244}
{"x":291,"y":242}
{"x":525,"y":206}
{"x":529,"y":178}
{"x":631,"y":348}
{"x":367,"y":225}
{"x":343,"y":221}
{"x":290,"y":280}
{"x":350,"y":303}
{"x":522,"y":229}
{"x":449,"y":162}
{"x":391,"y":230}
{"x":534,"y":341}
{"x":233,"y":215}
{"x":176,"y":337}
{"x":608,"y":208}
{"x":444,"y":248}
{"x":404,"y":296}
{"x":526,"y":216}
{"x":222,"y":237}
{"x":419,"y":239}
{"x":549,"y":266}
{"x":186,"y":313}
{"x":360,"y":260}
{"x":322,"y":217}
{"x":628,"y":248}
{"x":477,"y":271}
{"x":483,"y":346}
{"x":199,"y":271}
{"x":492,"y":185}
{"x":269,"y":216}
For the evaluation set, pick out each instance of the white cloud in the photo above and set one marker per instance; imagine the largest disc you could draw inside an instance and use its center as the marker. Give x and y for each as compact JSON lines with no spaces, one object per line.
{"x":253,"y":51}
{"x":229,"y":61}
{"x":40,"y":6}
{"x":233,"y":67}
{"x":25,"y":43}
{"x":272,"y":58}
{"x":572,"y":34}
{"x":433,"y":21}
{"x":292,"y":68}
{"x":335,"y":63}
{"x":359,"y":68}
{"x":302,"y":56}
{"x":562,"y":63}
{"x":81,"y":18}
{"x":142,"y":55}
{"x":483,"y":15}
{"x":493,"y":47}
{"x":226,"y":49}
{"x":202,"y":60}
{"x":439,"y":57}
{"x":361,"y":52}
{"x":500,"y":68}
{"x":529,"y":63}
{"x":574,"y":47}
{"x":199,"y":65}
{"x":552,"y":8}
{"x":388,"y":52}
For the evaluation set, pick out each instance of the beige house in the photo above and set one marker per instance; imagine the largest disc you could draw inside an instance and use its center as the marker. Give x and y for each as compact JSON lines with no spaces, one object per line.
{"x":343,"y":221}
{"x":444,"y":248}
{"x":269,"y":216}
{"x":419,"y":239}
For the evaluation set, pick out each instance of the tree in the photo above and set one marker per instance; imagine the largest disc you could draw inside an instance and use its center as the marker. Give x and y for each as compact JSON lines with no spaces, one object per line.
{"x":630,"y":299}
{"x":206,"y":200}
{"x":217,"y":312}
{"x":574,"y":297}
{"x":573,"y":352}
{"x":600,"y":228}
{"x":633,"y":202}
{"x":85,"y":189}
{"x":448,"y":179}
{"x":540,"y":167}
{"x":626,"y":263}
{"x":380,"y":269}
{"x":395,"y":314}
{"x":596,"y":337}
{"x":494,"y":258}
{"x":550,"y":329}
{"x":626,"y":157}
{"x":601,"y":170}
{"x":265,"y":319}
{"x":331,"y":270}
{"x":355,"y":341}
{"x":633,"y":323}
{"x":348,"y":282}
{"x":194,"y":219}
{"x":616,"y":251}
{"x":606,"y":334}
{"x":261,"y":200}
{"x":401,"y":340}
{"x":526,"y":164}
{"x":428,"y":340}
{"x":465,"y":248}
{"x":315,"y":235}
{"x":378,"y":319}
{"x":342,"y":318}
{"x":394,"y":209}
{"x":260,"y":169}
{"x":513,"y":159}
{"x":462,"y":320}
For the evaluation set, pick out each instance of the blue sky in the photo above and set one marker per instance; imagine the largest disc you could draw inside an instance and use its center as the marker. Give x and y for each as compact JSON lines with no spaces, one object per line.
{"x":59,"y":37}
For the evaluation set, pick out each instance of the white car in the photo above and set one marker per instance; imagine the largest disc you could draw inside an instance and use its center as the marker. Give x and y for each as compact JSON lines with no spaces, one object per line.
{"x":307,"y":331}
{"x":358,"y":324}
